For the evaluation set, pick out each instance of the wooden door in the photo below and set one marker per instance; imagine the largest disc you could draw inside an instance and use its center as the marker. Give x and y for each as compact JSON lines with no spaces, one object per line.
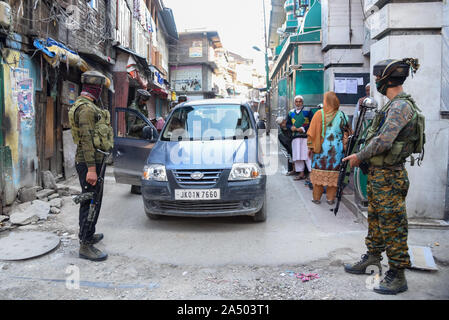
{"x":49,"y":129}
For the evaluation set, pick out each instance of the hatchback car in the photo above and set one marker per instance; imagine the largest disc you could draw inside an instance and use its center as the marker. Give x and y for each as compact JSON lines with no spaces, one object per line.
{"x":205,"y":162}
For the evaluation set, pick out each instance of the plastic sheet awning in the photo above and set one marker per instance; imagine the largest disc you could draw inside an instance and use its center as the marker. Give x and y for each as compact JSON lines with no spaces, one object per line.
{"x":57,"y":54}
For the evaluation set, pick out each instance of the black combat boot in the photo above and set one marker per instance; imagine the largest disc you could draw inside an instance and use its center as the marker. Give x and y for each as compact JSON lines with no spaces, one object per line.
{"x":361,"y":266}
{"x":97,"y":238}
{"x":393,"y":283}
{"x":89,"y":252}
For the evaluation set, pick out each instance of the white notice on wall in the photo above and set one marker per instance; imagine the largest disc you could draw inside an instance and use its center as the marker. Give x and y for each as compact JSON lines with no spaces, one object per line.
{"x":351,"y":85}
{"x":346,"y":85}
{"x":340,"y":85}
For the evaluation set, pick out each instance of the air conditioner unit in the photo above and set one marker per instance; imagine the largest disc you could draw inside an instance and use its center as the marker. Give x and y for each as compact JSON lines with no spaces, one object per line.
{"x":5,"y":14}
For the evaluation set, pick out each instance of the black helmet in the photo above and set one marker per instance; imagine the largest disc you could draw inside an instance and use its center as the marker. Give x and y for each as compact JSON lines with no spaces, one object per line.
{"x":182,"y":98}
{"x":393,"y":71}
{"x":144,"y":94}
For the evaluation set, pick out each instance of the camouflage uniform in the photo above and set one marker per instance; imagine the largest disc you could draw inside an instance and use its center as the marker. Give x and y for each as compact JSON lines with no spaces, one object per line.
{"x":135,"y":124}
{"x":387,"y":189}
{"x":86,"y":119}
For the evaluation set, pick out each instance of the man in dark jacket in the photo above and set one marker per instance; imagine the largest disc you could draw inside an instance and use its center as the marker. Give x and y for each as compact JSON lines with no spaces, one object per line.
{"x":285,"y":138}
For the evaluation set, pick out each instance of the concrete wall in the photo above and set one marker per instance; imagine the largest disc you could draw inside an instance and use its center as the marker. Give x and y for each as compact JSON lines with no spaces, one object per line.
{"x":310,"y":53}
{"x":342,"y":51}
{"x":399,"y":34}
{"x":445,"y":60}
{"x":393,"y":16}
{"x":336,"y":22}
{"x":344,"y":56}
{"x":445,"y":84}
{"x":19,"y":117}
{"x":181,"y":53}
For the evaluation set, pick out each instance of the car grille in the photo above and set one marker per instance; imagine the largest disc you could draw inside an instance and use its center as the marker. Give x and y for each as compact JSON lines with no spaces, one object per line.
{"x":209,"y":179}
{"x":198,"y":206}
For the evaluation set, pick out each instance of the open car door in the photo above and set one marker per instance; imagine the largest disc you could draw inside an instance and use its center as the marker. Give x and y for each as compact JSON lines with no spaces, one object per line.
{"x":131,"y":146}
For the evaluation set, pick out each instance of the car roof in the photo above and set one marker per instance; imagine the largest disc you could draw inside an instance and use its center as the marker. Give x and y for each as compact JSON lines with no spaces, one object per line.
{"x":214,"y":102}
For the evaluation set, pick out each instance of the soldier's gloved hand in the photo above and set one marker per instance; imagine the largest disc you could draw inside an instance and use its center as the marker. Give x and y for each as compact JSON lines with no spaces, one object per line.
{"x":91,"y":176}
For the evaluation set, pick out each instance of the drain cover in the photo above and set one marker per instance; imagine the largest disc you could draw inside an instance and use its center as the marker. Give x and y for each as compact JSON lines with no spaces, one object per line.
{"x":26,"y":245}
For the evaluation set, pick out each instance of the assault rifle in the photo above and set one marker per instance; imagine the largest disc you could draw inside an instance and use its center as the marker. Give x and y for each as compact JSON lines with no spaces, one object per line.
{"x":94,"y":198}
{"x":353,"y":141}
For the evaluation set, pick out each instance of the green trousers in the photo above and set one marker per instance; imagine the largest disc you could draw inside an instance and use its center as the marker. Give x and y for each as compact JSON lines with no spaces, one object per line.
{"x":387,"y":216}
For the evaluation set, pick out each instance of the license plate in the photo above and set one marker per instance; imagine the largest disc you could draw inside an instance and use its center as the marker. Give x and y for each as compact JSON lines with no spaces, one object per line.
{"x":197,"y":194}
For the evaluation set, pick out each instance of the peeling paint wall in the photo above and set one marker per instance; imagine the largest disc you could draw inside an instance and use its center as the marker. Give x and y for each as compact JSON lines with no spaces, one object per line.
{"x":19,"y":85}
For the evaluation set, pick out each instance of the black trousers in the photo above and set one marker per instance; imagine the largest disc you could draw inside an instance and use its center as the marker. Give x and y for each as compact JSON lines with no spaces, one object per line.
{"x":81,"y":168}
{"x":287,"y":144}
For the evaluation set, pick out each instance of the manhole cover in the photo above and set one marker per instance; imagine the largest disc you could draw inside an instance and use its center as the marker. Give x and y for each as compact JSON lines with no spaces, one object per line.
{"x":25,"y":245}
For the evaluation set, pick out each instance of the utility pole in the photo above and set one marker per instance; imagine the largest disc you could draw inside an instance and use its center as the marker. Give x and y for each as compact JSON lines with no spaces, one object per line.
{"x":267,"y":96}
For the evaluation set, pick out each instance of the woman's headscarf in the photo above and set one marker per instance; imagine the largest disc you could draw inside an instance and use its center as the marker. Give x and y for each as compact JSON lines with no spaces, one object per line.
{"x":315,"y":134}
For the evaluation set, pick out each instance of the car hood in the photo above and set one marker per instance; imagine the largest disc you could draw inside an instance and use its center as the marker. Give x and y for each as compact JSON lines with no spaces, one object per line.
{"x":204,"y":154}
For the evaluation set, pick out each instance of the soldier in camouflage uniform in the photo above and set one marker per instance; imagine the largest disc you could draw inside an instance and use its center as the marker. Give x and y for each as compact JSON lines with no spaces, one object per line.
{"x":135,"y":124}
{"x":91,"y":130}
{"x":389,"y":142}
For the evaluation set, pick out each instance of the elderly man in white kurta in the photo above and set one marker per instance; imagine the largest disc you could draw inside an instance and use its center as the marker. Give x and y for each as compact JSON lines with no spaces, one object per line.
{"x":298,"y":122}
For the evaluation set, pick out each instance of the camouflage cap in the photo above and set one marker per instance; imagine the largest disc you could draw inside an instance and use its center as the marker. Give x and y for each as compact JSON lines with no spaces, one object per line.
{"x":93,"y":77}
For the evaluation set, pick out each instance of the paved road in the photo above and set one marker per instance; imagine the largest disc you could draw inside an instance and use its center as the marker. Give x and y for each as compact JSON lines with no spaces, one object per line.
{"x":296,"y":230}
{"x":217,"y":258}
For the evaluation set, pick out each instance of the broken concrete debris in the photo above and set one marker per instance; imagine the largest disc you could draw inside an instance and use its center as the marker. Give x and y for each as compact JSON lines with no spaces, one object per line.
{"x":53,"y":196}
{"x":43,"y":194}
{"x":55,"y":210}
{"x":38,"y":210}
{"x":57,"y":202}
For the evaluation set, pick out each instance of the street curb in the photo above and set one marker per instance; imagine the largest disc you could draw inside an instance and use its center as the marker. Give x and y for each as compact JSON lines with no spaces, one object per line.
{"x":109,"y":171}
{"x":413,"y":223}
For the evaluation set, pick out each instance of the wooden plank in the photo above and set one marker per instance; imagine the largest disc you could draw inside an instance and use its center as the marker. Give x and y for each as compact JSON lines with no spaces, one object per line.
{"x":49,"y":129}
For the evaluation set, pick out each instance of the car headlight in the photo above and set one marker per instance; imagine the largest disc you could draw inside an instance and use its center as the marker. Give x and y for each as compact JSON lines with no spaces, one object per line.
{"x":244,"y":171}
{"x":154,"y":172}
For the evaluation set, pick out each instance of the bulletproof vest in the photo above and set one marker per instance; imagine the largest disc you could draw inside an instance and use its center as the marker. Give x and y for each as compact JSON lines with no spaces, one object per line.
{"x":102,"y":136}
{"x":405,"y":144}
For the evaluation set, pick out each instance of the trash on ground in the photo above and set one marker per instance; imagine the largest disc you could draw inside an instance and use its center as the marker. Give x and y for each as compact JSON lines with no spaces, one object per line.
{"x":304,"y":276}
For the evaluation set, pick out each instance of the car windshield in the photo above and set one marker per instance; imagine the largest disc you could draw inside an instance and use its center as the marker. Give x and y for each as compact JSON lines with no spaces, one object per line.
{"x":208,"y":122}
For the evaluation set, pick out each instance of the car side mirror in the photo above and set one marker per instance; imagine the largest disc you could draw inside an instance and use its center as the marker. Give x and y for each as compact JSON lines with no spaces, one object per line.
{"x":150,"y":133}
{"x":261,"y":124}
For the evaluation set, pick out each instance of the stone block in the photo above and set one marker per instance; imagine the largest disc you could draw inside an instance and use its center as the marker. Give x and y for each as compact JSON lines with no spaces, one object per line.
{"x":74,"y":190}
{"x":43,"y":194}
{"x":48,"y":180}
{"x":27,"y":194}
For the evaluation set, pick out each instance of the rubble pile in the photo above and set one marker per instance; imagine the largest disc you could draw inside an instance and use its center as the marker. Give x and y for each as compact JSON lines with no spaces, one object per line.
{"x":36,"y":203}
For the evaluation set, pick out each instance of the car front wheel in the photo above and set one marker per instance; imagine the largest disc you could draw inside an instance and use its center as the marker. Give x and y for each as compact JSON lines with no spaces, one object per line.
{"x":261,"y":215}
{"x":135,"y":190}
{"x":152,"y":216}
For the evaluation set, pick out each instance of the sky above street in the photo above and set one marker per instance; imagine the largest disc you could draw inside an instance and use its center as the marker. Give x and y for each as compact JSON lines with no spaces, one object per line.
{"x":239,"y":23}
